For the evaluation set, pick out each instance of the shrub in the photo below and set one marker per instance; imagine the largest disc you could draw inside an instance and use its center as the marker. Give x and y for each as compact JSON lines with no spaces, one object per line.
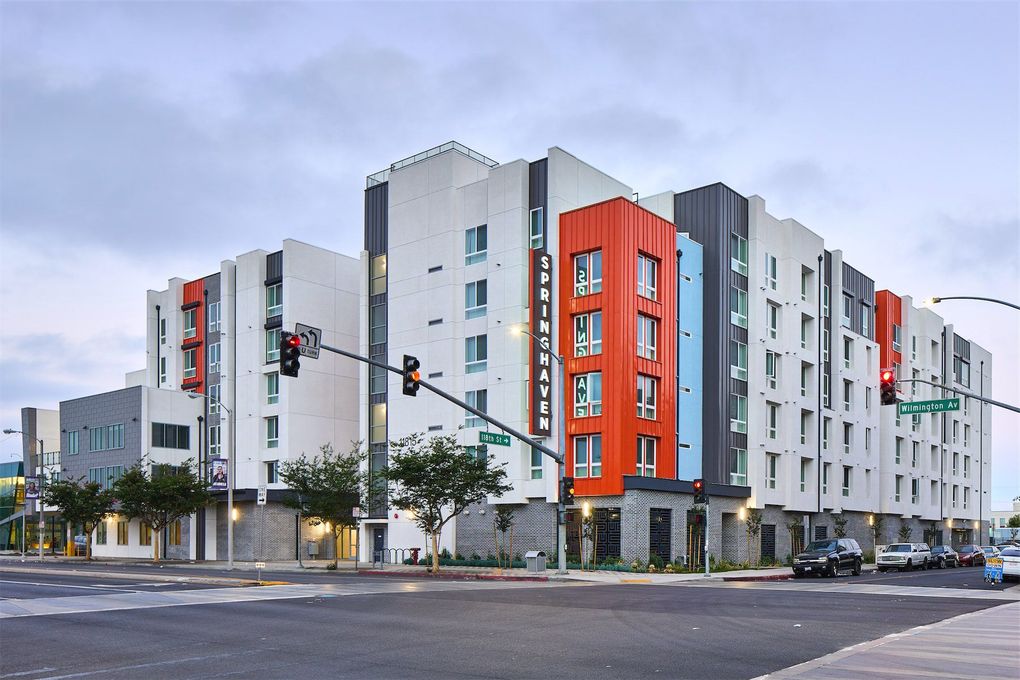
{"x":655,"y":561}
{"x":475,"y":556}
{"x":459,"y":556}
{"x":445,"y":554}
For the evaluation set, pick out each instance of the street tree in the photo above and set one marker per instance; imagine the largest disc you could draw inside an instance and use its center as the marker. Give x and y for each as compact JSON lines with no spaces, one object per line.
{"x":839,"y":523}
{"x":161,"y":494}
{"x":80,"y":503}
{"x":1014,"y":526}
{"x":905,"y":531}
{"x":753,"y":526}
{"x":503,"y":522}
{"x":327,"y":488}
{"x":437,"y":480}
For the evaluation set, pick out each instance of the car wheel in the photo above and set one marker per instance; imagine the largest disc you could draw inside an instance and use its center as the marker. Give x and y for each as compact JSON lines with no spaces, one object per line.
{"x":909,"y":567}
{"x":941,"y":564}
{"x":925,"y":566}
{"x":857,"y":568}
{"x":798,"y":574}
{"x":881,"y":570}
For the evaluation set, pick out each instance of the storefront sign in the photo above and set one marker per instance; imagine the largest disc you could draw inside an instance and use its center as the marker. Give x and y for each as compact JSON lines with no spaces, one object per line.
{"x":541,"y":327}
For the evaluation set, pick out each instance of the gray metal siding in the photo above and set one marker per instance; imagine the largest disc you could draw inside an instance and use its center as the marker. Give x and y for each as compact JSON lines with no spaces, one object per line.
{"x":961,"y":347}
{"x":274,"y":267}
{"x":110,"y":408}
{"x":862,"y":289}
{"x":827,"y":324}
{"x":376,"y":242}
{"x":538,"y":189}
{"x":710,"y":214}
{"x":377,"y":201}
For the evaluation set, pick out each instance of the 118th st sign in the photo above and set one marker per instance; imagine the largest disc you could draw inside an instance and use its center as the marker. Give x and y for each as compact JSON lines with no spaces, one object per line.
{"x":494,"y":438}
{"x":910,"y":408}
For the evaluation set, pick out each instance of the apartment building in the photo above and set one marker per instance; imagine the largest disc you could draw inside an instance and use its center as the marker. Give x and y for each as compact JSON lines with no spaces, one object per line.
{"x":936,"y":467}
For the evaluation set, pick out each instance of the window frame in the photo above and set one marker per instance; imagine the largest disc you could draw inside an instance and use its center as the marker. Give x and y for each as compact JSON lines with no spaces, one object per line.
{"x":377,"y":275}
{"x":584,"y":265}
{"x":646,"y":407}
{"x":590,"y":407}
{"x":738,"y":253}
{"x":191,"y":363}
{"x":273,"y":381}
{"x":476,"y":353}
{"x":473,"y":236}
{"x":589,"y":469}
{"x":738,"y":466}
{"x":644,"y":468}
{"x":771,"y":467}
{"x":215,"y":356}
{"x":272,"y":345}
{"x":214,"y":314}
{"x":647,"y":327}
{"x":536,"y":218}
{"x":738,"y":354}
{"x":478,"y":399}
{"x":274,"y":300}
{"x":190,"y":323}
{"x":647,"y":267}
{"x":771,"y":272}
{"x":736,"y":423}
{"x":272,"y":430}
{"x":590,"y":346}
{"x":473,"y":290}
{"x":772,"y":319}
{"x":738,"y":299}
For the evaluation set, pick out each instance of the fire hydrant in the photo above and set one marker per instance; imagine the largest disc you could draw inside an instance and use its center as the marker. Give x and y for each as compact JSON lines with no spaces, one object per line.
{"x":414,"y":556}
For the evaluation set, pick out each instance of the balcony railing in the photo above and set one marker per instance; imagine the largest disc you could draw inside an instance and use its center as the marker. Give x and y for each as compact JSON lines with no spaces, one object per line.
{"x":384,"y":175}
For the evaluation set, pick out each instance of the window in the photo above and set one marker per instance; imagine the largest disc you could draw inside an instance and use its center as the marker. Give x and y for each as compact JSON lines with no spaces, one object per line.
{"x":867,"y":398}
{"x":646,"y":456}
{"x":961,"y":371}
{"x":144,"y":534}
{"x":190,"y":323}
{"x":966,"y":405}
{"x":865,"y":320}
{"x":825,"y":477}
{"x":956,"y":495}
{"x":476,"y":295}
{"x":825,"y":300}
{"x":897,"y":332}
{"x":272,"y":345}
{"x":476,"y":353}
{"x":274,"y":300}
{"x":966,"y":497}
{"x":899,"y":451}
{"x":272,"y":432}
{"x":536,"y":463}
{"x":867,"y":439}
{"x":771,"y":271}
{"x":646,"y":272}
{"x":805,"y":379}
{"x":106,"y":438}
{"x":738,"y":360}
{"x":915,"y":454}
{"x":536,"y":228}
{"x":847,"y":480}
{"x":915,"y":491}
{"x":377,"y":424}
{"x":475,"y":245}
{"x":646,"y":397}
{"x":848,"y":437}
{"x":190,"y":363}
{"x":848,"y":308}
{"x":738,"y":254}
{"x":376,"y":380}
{"x":377,"y":283}
{"x":122,"y":532}
{"x":101,"y":533}
{"x":478,"y":452}
{"x":214,"y":398}
{"x":899,"y":488}
{"x":771,"y":463}
{"x":805,"y":421}
{"x":273,"y":388}
{"x":772,"y":317}
{"x":162,"y":370}
{"x":162,"y":331}
{"x":966,"y":467}
{"x":956,"y":431}
{"x":772,"y":420}
{"x":214,"y":317}
{"x":825,"y":345}
{"x":106,"y":477}
{"x":377,"y":324}
{"x":848,"y":353}
{"x":804,"y":330}
{"x":848,"y":395}
{"x":587,"y":394}
{"x":477,"y":399}
{"x":771,"y":369}
{"x":215,"y":443}
{"x":646,"y":337}
{"x":167,"y":436}
{"x":588,"y":273}
{"x":738,"y":413}
{"x":805,"y":285}
{"x":588,"y":456}
{"x":272,"y":471}
{"x":826,"y":426}
{"x":966,"y":435}
{"x":214,"y":357}
{"x":913,"y":348}
{"x":738,"y":307}
{"x":805,"y":466}
{"x":72,"y":442}
{"x":588,"y":334}
{"x":738,"y":467}
{"x":174,"y":533}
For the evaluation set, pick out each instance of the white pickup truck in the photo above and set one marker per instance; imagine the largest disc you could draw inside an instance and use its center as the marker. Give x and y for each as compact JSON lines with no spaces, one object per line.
{"x":904,"y":557}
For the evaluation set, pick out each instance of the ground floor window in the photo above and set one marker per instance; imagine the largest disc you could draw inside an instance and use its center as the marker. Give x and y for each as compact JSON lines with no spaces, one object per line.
{"x":122,"y":533}
{"x":175,"y":533}
{"x":144,"y":534}
{"x":101,"y":533}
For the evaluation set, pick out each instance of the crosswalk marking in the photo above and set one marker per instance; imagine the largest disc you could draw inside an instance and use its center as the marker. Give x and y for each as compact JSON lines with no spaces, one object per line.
{"x":1009,"y":595}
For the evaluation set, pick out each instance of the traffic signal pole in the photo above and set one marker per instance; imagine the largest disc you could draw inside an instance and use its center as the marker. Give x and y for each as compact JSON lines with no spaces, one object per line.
{"x":963,"y":392}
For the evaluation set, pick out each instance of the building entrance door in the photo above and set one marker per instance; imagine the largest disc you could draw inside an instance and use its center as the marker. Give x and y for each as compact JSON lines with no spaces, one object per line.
{"x":660,"y":532}
{"x":379,"y":543}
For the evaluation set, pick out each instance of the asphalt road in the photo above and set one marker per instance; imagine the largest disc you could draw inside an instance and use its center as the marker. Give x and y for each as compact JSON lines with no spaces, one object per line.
{"x":971,"y":578}
{"x":29,"y":586}
{"x":618,"y":631}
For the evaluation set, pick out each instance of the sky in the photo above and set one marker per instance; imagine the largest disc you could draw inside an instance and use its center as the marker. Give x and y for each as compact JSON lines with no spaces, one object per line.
{"x":144,"y":141}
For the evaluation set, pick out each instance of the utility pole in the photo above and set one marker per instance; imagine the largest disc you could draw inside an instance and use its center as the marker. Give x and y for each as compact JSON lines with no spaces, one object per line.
{"x":39,"y":501}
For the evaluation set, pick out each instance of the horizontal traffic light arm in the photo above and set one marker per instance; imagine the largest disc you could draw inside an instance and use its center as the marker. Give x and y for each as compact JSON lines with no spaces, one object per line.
{"x":558,"y":457}
{"x":963,"y":392}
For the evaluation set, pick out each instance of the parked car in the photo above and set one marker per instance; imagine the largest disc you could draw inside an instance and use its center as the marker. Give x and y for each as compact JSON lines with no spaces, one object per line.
{"x":944,"y":556}
{"x":904,"y":556}
{"x":971,"y":556}
{"x":828,"y":557}
{"x":990,"y":551}
{"x":1010,"y":563}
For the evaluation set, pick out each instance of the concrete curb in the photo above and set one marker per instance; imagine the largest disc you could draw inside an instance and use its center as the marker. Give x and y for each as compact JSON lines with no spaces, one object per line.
{"x":168,"y":578}
{"x":452,"y":575}
{"x":770,"y":577}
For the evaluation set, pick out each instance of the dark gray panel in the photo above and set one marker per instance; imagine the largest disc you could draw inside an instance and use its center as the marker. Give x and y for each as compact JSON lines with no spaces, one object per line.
{"x":633,"y":482}
{"x":834,"y":301}
{"x":121,"y":407}
{"x":862,"y":289}
{"x":961,"y":347}
{"x":710,"y":214}
{"x":274,"y":267}
{"x":377,"y":202}
{"x":538,"y":186}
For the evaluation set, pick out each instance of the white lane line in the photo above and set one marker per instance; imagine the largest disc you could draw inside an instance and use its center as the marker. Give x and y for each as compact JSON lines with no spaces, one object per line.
{"x":156,"y":663}
{"x":63,"y":585}
{"x":23,"y":673}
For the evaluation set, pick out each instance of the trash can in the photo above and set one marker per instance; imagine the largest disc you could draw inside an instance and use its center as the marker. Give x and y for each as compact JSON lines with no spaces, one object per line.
{"x":313,"y":548}
{"x":535,"y":560}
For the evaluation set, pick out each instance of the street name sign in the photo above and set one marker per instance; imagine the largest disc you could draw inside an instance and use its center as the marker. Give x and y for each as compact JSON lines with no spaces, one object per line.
{"x":494,"y":438}
{"x":310,"y":339}
{"x":910,"y":408}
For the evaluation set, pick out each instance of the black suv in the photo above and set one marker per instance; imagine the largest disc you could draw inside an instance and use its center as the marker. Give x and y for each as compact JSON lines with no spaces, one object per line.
{"x":828,"y":557}
{"x":943,"y":556}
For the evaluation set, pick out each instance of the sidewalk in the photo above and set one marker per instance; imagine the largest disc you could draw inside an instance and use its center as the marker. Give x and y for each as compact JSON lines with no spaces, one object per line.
{"x":974,"y":646}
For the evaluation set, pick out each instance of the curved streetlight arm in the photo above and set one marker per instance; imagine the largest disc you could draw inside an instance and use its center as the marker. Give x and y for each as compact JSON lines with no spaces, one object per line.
{"x":543,"y":343}
{"x":936,"y":300}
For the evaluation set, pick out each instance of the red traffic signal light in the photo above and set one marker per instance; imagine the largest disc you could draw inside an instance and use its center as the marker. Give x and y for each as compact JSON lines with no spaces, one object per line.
{"x":888,"y":376}
{"x":700,"y":493}
{"x":887,"y":387}
{"x":290,"y":354}
{"x":699,"y":484}
{"x":293,"y":340}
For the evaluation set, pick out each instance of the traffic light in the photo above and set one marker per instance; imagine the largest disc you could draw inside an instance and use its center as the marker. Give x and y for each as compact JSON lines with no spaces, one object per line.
{"x":411,"y":375}
{"x":887,"y":380}
{"x":700,"y":494}
{"x":567,"y":490}
{"x":290,"y":354}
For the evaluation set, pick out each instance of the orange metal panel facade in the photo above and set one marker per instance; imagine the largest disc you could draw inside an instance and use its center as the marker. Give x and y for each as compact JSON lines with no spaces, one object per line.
{"x":888,"y":311}
{"x":194,"y":291}
{"x":621,"y":230}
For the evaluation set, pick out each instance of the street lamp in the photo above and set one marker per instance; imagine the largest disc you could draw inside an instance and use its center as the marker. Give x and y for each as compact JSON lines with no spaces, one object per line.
{"x":39,"y":501}
{"x":230,"y":475}
{"x":936,"y":300}
{"x":561,"y":519}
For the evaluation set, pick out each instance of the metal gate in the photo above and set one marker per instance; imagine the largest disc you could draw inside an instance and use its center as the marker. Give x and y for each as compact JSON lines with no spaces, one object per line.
{"x":768,"y":542}
{"x":660,"y":532}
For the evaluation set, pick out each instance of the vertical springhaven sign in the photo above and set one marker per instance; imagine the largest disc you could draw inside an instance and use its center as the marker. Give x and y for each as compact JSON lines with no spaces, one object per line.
{"x":541,"y":327}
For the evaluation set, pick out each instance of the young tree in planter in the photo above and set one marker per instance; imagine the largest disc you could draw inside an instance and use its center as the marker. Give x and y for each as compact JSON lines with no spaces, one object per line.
{"x":839,"y":522}
{"x":796,"y":528}
{"x":437,"y":480}
{"x":161,"y":494}
{"x":503,"y":522}
{"x":753,"y":524}
{"x":905,"y":532}
{"x":80,"y":502}
{"x":327,"y":488}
